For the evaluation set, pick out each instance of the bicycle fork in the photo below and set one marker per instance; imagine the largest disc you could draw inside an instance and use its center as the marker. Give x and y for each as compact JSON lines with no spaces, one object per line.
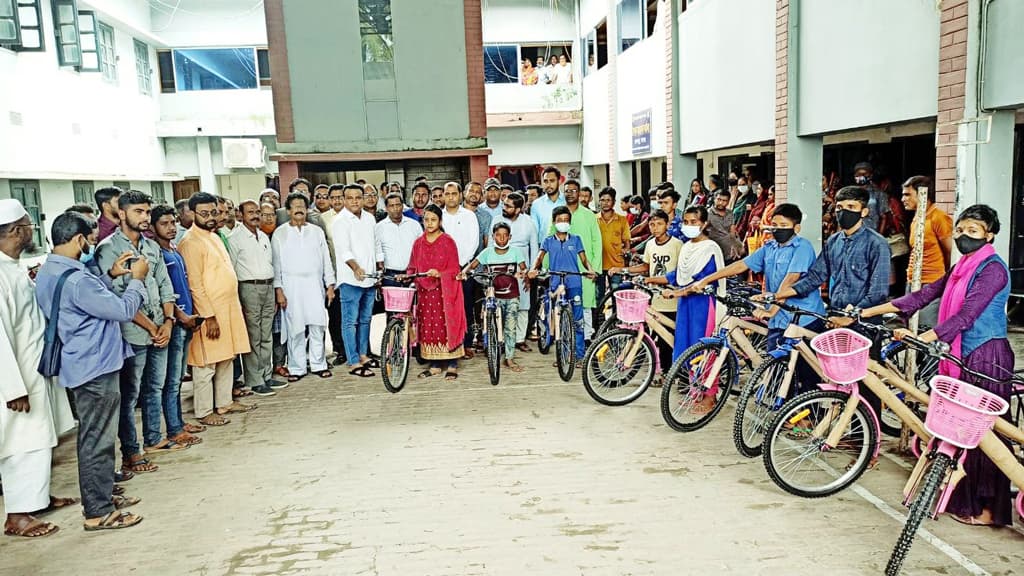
{"x":954,"y":474}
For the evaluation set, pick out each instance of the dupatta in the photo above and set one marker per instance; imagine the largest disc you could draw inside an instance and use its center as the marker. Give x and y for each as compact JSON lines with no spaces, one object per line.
{"x":953,"y":297}
{"x":441,"y":255}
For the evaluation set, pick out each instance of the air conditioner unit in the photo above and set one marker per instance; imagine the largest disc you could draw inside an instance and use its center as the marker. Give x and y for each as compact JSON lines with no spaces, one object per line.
{"x":242,"y":152}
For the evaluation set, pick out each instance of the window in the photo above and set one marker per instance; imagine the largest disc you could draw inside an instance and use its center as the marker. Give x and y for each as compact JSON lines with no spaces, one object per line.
{"x":165,"y":64}
{"x":27,"y":192}
{"x":263,"y":65}
{"x":214,"y":69}
{"x":631,"y":26}
{"x":65,"y":30}
{"x":123,"y":185}
{"x":20,"y":25}
{"x":89,"y":45}
{"x":108,"y":52}
{"x":501,"y":64}
{"x":83,"y":191}
{"x":157,"y":192}
{"x":376,"y":40}
{"x":601,"y":38}
{"x":652,"y":16}
{"x":142,"y":69}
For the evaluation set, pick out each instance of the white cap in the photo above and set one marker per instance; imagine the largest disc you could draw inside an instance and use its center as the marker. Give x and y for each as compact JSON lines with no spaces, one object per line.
{"x":11,"y":210}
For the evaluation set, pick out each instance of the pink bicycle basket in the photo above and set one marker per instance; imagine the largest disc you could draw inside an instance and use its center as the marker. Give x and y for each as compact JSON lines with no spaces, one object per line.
{"x":397,"y":299}
{"x":631,"y":305}
{"x":843,"y":355}
{"x":960,"y":413}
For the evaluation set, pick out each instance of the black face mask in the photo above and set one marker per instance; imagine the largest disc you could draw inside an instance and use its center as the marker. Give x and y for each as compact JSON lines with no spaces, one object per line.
{"x":966,"y":245}
{"x":783,"y":235}
{"x":847,"y":218}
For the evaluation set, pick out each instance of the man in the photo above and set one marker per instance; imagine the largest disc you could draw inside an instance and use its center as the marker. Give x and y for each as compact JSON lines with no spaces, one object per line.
{"x":584,"y":225}
{"x":463,"y":226}
{"x":322,"y":198}
{"x":615,"y":242}
{"x":106,"y":201}
{"x":268,"y":218}
{"x":223,"y":335}
{"x":878,"y":200}
{"x":370,"y":200}
{"x":303,"y":278}
{"x":720,"y":225}
{"x":938,"y":242}
{"x":185,"y":218}
{"x":395,"y":236}
{"x":540,"y":209}
{"x":524,"y":238}
{"x":164,"y":230}
{"x":336,"y":196}
{"x":144,"y":374}
{"x":84,"y":209}
{"x":492,"y":198}
{"x":437,"y":196}
{"x":395,"y":188}
{"x":252,"y":259}
{"x":532,"y":193}
{"x":301,"y":186}
{"x":222,"y":220}
{"x":474,"y":197}
{"x":587,"y":198}
{"x":33,"y":413}
{"x":668,"y":201}
{"x":270,"y":195}
{"x":355,"y":247}
{"x":506,"y":189}
{"x":420,"y":198}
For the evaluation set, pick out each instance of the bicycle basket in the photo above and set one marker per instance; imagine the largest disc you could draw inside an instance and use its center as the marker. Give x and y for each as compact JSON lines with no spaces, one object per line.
{"x":843,"y":355}
{"x":397,"y":299}
{"x":631,"y":305}
{"x":960,"y":413}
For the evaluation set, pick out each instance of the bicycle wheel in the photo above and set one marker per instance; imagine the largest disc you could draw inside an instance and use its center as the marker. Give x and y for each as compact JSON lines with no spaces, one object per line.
{"x":687,"y":401}
{"x":897,"y":355}
{"x":394,"y":355}
{"x":543,"y":327}
{"x":796,"y":458}
{"x":566,"y":344}
{"x":919,"y":508}
{"x":756,"y":405}
{"x":495,"y":346}
{"x":607,"y":308}
{"x":605,"y":375}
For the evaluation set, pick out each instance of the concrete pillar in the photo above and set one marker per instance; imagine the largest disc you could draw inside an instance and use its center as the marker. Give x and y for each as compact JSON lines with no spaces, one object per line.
{"x":684,"y":169}
{"x":207,"y":179}
{"x":478,"y":168}
{"x":287,"y":171}
{"x":621,"y":177}
{"x":994,"y":182}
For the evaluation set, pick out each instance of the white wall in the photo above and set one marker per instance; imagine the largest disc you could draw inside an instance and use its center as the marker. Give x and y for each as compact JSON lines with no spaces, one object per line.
{"x":217,"y":113}
{"x":505,"y":98}
{"x":858,"y":69}
{"x":727,"y":80}
{"x":534,"y":145}
{"x":182,"y":157}
{"x":517,"y":21}
{"x":134,"y":14}
{"x":640,"y":72}
{"x":209,"y":23}
{"x":592,"y":12}
{"x":595,"y":117}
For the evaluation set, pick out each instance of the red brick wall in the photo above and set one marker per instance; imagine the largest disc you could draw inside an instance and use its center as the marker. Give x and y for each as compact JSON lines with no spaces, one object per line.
{"x":287,"y":171}
{"x":952,"y":80}
{"x":781,"y":97}
{"x":475,"y":69}
{"x":281,"y":78}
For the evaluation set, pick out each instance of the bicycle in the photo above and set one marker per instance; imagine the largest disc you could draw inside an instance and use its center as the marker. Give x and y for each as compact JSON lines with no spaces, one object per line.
{"x":710,"y":367}
{"x":399,"y":334}
{"x":555,"y":323}
{"x":493,"y":324}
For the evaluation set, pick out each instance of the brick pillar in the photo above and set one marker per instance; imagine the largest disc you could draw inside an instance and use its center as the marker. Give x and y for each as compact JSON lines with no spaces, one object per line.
{"x":781,"y":97}
{"x":952,"y":81}
{"x":478,"y":168}
{"x":668,"y":16}
{"x":287,"y":171}
{"x":475,"y":69}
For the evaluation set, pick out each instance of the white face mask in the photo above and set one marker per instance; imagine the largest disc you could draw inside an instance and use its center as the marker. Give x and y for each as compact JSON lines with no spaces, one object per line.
{"x":563,"y":227}
{"x":634,"y":211}
{"x":743,"y":188}
{"x":655,"y":206}
{"x":500,"y":246}
{"x":690,"y":231}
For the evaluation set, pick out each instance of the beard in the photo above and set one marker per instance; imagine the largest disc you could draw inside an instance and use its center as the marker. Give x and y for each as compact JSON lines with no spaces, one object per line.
{"x":209,"y":225}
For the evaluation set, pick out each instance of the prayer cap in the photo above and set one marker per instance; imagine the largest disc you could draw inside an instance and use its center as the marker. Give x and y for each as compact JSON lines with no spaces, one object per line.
{"x":11,"y":211}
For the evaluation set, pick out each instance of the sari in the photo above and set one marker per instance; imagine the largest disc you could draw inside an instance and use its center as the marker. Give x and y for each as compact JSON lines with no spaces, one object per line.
{"x":441,"y":322}
{"x":530,"y":77}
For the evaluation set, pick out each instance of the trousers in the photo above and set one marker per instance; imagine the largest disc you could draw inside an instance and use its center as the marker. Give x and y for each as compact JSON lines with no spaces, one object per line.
{"x":97,"y":402}
{"x":212,"y":387}
{"x":258,"y":307}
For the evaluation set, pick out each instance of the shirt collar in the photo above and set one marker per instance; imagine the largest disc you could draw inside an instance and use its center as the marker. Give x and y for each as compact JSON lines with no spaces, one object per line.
{"x":65,"y":261}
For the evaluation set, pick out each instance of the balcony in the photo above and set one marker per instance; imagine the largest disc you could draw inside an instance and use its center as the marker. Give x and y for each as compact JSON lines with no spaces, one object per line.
{"x":538,"y":105}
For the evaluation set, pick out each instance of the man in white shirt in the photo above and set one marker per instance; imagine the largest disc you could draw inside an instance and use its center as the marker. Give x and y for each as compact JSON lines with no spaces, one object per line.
{"x":395,"y":236}
{"x":540,"y":209}
{"x":524,"y":237}
{"x":462,"y":225}
{"x":253,"y":260}
{"x":355,"y":248}
{"x":302,"y":278}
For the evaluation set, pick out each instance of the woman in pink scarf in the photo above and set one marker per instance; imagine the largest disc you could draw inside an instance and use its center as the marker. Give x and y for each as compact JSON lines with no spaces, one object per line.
{"x":972,"y":320}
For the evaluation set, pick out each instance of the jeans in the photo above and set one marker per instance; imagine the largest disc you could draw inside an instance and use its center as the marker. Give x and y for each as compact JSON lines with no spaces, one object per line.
{"x":97,"y":402}
{"x":142,"y":382}
{"x":172,"y":383}
{"x":468,"y":302}
{"x":805,"y":378}
{"x":356,"y":311}
{"x":510,"y":324}
{"x":604,"y":285}
{"x":575,"y":297}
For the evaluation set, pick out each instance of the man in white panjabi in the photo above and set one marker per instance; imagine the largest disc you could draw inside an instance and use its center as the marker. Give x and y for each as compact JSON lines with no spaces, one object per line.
{"x":34,"y":410}
{"x":303,"y":275}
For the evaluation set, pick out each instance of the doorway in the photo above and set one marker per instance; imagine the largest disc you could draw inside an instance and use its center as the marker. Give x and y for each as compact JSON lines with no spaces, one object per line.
{"x":27,"y":192}
{"x":185,"y":188}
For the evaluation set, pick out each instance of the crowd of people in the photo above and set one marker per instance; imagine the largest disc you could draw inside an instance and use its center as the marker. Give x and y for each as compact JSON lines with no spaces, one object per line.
{"x":244,"y":300}
{"x":557,"y":70}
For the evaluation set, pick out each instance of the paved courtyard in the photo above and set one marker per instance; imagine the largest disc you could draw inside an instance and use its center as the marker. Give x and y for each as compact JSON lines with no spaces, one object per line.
{"x":339,"y":477}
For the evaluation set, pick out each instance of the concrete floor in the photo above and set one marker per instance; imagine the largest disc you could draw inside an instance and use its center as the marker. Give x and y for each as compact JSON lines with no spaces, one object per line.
{"x":340,"y":477}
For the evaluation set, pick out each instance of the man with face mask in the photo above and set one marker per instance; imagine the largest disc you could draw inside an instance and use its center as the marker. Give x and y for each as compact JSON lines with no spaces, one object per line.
{"x":540,"y":209}
{"x":878,"y":200}
{"x":524,"y":238}
{"x":584,"y":226}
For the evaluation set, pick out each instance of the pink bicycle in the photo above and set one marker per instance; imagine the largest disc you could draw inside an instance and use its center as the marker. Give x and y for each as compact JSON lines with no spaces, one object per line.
{"x":399,"y":335}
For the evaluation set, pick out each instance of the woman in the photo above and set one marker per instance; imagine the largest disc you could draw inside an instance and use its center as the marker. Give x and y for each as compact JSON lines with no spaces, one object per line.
{"x":972,"y":320}
{"x":756,"y":217}
{"x":441,"y":324}
{"x":744,"y":202}
{"x":698,"y":193}
{"x":637,"y":218}
{"x":529,"y":74}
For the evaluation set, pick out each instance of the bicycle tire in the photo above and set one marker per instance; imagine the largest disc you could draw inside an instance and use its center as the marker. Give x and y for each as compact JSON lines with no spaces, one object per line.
{"x":681,"y":379}
{"x":394,"y":357}
{"x":543,"y":327}
{"x":749,"y":425}
{"x":607,"y":304}
{"x":596,"y":380}
{"x":847,"y":474}
{"x":495,"y":343}
{"x":566,"y":345}
{"x":607,"y":326}
{"x":896,"y":358}
{"x":919,"y":509}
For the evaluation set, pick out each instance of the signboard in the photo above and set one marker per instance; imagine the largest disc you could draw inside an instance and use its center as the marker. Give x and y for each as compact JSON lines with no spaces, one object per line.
{"x":642,"y":132}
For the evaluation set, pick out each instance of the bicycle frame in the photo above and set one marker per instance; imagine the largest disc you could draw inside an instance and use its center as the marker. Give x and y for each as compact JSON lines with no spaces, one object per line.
{"x":491,"y":305}
{"x":660,"y":325}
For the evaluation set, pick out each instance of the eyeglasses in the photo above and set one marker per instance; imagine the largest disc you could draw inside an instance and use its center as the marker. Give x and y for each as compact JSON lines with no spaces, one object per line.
{"x":208,"y":213}
{"x":29,"y":226}
{"x":369,"y":195}
{"x":322,"y":197}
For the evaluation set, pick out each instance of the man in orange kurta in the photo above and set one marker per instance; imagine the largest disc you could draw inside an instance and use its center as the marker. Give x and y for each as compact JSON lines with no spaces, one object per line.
{"x":215,"y":294}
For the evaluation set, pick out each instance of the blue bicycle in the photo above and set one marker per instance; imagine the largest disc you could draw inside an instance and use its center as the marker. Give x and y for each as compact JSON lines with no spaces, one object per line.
{"x":555,"y":323}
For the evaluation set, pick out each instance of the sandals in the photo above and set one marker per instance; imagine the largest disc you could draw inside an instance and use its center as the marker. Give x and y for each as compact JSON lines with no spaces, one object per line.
{"x":214,"y":419}
{"x":114,"y":521}
{"x":241,"y":392}
{"x":514,"y":367}
{"x":118,"y":490}
{"x":138,"y":464}
{"x":238,"y":408}
{"x":58,"y":503}
{"x":292,"y":378}
{"x":468,"y":354}
{"x":362,"y":371}
{"x":165,"y":446}
{"x":123,"y":476}
{"x":523,"y":347}
{"x":30,"y":527}
{"x":194,"y":428}
{"x":122,"y":502}
{"x":451,"y":376}
{"x":324,"y":374}
{"x":373,"y":363}
{"x":186,"y":439}
{"x":281,"y":371}
{"x":428,"y":373}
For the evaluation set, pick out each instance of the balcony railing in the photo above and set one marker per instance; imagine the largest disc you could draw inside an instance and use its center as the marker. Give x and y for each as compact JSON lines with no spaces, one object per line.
{"x":506,"y":98}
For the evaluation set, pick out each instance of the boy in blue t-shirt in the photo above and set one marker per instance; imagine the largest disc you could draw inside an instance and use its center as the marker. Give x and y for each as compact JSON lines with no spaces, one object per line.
{"x":565,"y":254}
{"x":510,"y":263}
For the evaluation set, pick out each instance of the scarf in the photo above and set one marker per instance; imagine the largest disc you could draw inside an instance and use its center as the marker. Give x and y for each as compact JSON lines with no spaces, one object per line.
{"x":441,"y":255}
{"x":960,"y":278}
{"x":693,"y":257}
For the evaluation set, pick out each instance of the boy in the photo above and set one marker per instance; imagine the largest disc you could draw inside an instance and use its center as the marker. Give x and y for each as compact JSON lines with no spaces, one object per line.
{"x":565,"y":252}
{"x":500,"y":258}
